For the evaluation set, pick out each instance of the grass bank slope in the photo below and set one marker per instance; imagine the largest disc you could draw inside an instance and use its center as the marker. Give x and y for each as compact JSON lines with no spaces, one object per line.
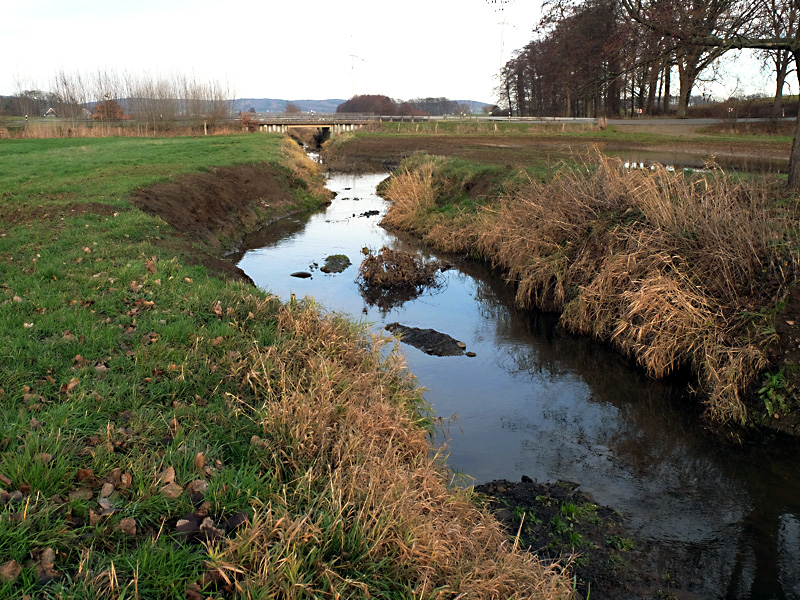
{"x":168,"y":433}
{"x":676,"y":271}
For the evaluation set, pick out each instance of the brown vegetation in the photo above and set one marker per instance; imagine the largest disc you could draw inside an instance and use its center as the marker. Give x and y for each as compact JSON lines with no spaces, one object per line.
{"x":668,"y":268}
{"x":396,"y":268}
{"x":338,"y":424}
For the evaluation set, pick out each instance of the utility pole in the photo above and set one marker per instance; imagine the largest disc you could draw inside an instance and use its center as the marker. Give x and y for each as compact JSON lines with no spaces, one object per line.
{"x":353,"y":58}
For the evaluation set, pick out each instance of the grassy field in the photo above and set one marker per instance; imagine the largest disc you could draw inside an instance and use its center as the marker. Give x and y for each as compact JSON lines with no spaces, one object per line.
{"x":169,"y":434}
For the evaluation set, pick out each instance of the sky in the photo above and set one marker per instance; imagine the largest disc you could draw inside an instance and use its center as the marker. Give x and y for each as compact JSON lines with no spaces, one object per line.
{"x":294,"y":50}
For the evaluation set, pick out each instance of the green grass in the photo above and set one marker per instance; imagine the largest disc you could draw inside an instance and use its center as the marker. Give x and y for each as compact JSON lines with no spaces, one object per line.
{"x":53,"y":171}
{"x":113,"y":360}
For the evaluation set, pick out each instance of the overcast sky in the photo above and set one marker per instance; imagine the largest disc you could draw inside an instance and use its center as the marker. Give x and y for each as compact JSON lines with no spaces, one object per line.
{"x":302,"y":49}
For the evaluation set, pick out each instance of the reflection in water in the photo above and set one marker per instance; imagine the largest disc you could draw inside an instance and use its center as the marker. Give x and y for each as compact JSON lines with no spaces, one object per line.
{"x":541,"y":402}
{"x":687,"y":160}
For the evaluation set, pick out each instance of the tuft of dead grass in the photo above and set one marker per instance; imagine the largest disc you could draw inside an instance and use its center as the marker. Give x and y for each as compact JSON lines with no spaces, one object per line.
{"x":389,"y":268}
{"x":362,"y":496}
{"x":663,"y":265}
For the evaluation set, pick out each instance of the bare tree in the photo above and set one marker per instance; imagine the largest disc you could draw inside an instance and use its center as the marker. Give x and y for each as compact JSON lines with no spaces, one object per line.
{"x":740,"y":25}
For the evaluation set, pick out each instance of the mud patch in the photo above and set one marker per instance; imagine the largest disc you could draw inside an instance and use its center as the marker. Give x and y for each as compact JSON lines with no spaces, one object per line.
{"x":559,"y":521}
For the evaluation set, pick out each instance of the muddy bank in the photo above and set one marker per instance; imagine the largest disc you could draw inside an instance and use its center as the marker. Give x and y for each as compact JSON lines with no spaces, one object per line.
{"x":559,"y":521}
{"x":219,"y":207}
{"x":386,"y":152}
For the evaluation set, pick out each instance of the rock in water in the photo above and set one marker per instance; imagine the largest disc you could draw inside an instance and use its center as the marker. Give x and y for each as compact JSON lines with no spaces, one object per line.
{"x":429,"y":341}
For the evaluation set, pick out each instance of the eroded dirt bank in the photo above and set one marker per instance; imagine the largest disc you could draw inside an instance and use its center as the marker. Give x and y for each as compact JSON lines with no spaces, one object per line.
{"x":219,"y":207}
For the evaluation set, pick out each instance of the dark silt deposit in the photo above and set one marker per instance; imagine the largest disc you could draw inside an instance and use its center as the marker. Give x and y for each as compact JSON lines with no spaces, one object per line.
{"x":688,"y":515}
{"x":429,"y":341}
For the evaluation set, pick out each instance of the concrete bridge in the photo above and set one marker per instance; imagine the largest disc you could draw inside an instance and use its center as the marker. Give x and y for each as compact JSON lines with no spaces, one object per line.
{"x":326,"y":123}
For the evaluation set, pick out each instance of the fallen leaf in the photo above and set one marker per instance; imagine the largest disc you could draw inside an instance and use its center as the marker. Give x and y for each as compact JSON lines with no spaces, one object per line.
{"x":10,"y":571}
{"x":68,"y":388}
{"x":83,"y":493}
{"x":80,"y":361}
{"x":200,"y":461}
{"x":150,"y":265}
{"x":106,"y":490}
{"x":217,"y":308}
{"x":5,"y":480}
{"x":27,"y":325}
{"x":187,"y":279}
{"x":171,"y":490}
{"x":44,"y":457}
{"x":45,"y":568}
{"x":17,"y":299}
{"x":84,"y":474}
{"x":167,"y":475}
{"x":790,"y":323}
{"x":128,"y":525}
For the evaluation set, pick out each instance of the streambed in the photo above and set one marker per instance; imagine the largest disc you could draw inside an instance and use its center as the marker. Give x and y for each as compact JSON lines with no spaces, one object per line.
{"x":539,"y":402}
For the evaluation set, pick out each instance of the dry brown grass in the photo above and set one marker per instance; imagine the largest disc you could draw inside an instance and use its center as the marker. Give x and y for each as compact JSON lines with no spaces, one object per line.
{"x":396,"y":268}
{"x":341,"y":432}
{"x":658,"y":263}
{"x":65,"y":129}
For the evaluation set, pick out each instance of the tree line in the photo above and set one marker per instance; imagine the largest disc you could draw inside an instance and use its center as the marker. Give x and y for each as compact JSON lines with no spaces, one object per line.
{"x":596,"y":57}
{"x":157,"y":101}
{"x":377,"y":104}
{"x":607,"y":57}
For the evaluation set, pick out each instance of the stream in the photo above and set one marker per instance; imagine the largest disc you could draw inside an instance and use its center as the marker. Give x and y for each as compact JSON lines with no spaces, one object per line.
{"x":537,"y":401}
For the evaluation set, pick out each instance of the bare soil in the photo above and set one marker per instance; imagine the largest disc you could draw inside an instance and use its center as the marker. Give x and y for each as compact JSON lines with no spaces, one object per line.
{"x":218,"y":209}
{"x":383,"y":153}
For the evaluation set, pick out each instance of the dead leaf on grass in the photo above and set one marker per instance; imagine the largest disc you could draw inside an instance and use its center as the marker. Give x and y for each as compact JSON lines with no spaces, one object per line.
{"x":45,"y":568}
{"x":167,"y":475}
{"x":10,"y":571}
{"x":171,"y":490}
{"x":200,"y":461}
{"x":150,"y":338}
{"x":82,"y":493}
{"x":128,"y":525}
{"x":68,"y":388}
{"x":80,"y":361}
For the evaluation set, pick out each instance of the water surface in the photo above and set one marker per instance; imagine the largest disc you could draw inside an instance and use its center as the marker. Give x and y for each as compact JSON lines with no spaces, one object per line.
{"x":538,"y":401}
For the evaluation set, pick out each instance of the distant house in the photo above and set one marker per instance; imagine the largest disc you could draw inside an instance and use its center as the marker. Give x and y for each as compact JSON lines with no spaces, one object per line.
{"x":86,"y":113}
{"x":50,"y":113}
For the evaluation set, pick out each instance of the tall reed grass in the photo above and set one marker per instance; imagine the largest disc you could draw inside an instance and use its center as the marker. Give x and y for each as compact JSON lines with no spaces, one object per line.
{"x":668,"y":267}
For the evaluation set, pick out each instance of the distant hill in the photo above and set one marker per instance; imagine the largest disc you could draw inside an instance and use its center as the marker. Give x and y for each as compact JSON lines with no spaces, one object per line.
{"x":262,"y":105}
{"x":275,"y":105}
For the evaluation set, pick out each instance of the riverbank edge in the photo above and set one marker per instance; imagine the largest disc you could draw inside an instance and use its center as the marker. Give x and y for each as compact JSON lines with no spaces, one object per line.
{"x":335,"y":379}
{"x":448,"y":200}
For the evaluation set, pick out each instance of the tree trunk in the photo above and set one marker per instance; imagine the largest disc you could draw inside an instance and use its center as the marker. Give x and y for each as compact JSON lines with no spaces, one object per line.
{"x":667,"y":73}
{"x":782,"y":66}
{"x":655,"y":71}
{"x":686,"y":81}
{"x":794,"y":159}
